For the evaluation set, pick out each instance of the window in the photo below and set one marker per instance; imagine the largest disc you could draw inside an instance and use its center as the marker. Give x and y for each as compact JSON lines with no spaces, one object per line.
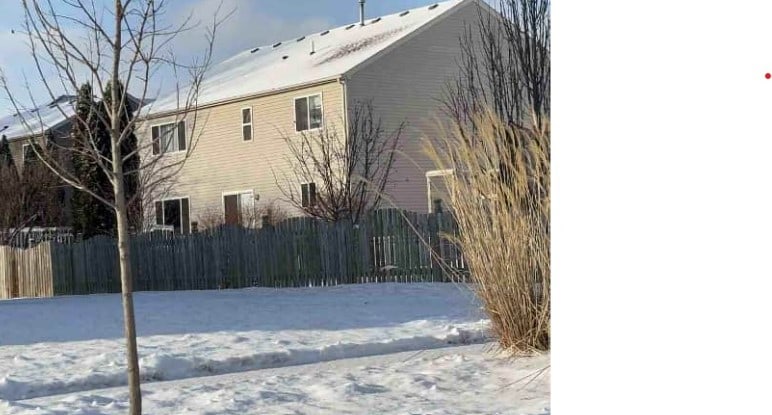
{"x":246,"y":124}
{"x":175,"y":213}
{"x":28,"y":154}
{"x":169,"y":138}
{"x":308,"y":113}
{"x":308,"y":194}
{"x":437,"y":189}
{"x":239,"y":208}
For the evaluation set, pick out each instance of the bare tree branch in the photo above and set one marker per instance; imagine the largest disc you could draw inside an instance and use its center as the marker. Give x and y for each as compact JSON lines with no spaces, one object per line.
{"x":349,"y":172}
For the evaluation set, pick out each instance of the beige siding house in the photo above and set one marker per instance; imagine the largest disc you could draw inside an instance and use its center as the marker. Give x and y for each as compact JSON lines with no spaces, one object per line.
{"x":251,"y":102}
{"x":34,"y":125}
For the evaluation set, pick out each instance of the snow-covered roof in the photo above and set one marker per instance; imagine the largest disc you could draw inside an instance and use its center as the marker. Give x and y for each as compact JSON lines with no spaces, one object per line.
{"x":40,"y":120}
{"x":37,"y":120}
{"x":306,"y":59}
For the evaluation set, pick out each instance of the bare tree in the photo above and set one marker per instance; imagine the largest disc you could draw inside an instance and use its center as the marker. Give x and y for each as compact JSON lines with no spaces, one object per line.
{"x":504,"y":65}
{"x":124,"y":45}
{"x":272,"y":212}
{"x":338,"y":176}
{"x":504,"y":68}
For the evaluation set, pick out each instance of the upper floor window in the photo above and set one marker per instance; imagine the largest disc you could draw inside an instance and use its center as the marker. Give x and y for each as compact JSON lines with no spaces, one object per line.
{"x":308,"y":113}
{"x":246,"y":124}
{"x":169,"y":138}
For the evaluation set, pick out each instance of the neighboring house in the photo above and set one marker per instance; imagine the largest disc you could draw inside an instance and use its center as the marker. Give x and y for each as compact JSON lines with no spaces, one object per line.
{"x":54,"y":119}
{"x":248,"y":103}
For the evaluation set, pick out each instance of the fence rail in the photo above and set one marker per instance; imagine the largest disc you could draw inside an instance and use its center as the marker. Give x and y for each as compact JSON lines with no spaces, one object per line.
{"x":389,"y":245}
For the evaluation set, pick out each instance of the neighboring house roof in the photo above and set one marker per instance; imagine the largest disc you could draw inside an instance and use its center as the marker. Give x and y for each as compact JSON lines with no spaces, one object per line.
{"x":307,"y":59}
{"x":37,"y":120}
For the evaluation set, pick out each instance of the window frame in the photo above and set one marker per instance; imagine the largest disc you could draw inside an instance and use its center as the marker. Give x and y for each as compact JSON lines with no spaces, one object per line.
{"x":320,"y":94}
{"x":315,"y":198}
{"x":163,"y":212}
{"x":176,"y":137}
{"x":24,"y":153}
{"x":431,"y":174}
{"x":236,"y":193}
{"x":250,"y":124}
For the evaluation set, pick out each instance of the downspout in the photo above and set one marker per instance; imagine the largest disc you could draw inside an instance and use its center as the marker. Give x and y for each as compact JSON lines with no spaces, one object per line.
{"x":344,"y":91}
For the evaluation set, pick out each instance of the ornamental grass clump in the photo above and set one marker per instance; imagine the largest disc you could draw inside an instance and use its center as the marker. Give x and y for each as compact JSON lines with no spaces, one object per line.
{"x":500,"y":196}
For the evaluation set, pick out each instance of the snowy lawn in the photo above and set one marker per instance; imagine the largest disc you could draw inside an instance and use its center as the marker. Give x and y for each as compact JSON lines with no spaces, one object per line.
{"x":71,"y":344}
{"x":455,"y":380}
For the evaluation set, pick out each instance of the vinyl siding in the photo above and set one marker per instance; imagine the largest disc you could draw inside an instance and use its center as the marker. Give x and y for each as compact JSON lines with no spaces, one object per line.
{"x":406,"y":84}
{"x":16,"y":145}
{"x":222,"y":162}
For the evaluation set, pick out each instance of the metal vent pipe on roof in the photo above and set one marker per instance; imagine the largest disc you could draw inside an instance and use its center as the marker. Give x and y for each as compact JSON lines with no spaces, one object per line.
{"x":361,"y":12}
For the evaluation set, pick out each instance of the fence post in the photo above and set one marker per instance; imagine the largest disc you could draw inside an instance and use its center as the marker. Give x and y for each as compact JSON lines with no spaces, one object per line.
{"x":15,"y":283}
{"x":434,"y":243}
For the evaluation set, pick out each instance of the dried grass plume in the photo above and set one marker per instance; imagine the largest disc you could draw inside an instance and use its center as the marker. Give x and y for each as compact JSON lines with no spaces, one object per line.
{"x":500,"y":196}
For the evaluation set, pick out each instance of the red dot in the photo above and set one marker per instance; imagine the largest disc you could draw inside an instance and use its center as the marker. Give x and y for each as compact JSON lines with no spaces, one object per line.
{"x":768,"y":75}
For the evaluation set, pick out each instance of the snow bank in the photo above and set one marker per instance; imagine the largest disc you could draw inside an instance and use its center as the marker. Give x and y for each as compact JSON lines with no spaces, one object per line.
{"x":270,"y":328}
{"x":454,"y":380}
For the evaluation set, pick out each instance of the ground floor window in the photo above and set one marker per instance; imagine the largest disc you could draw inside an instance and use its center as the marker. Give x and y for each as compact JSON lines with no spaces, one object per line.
{"x":308,"y":194}
{"x":437,"y":190}
{"x":174,"y":213}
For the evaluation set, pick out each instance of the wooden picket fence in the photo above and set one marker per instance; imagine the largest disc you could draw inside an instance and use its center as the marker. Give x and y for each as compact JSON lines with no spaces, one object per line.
{"x":26,"y":272}
{"x":388,"y":245}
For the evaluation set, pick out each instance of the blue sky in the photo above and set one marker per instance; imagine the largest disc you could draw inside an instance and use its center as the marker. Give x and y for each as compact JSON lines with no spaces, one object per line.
{"x":254,"y":23}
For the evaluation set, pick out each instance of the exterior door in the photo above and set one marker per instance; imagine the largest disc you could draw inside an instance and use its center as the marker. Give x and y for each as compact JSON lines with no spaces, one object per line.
{"x":232,"y":211}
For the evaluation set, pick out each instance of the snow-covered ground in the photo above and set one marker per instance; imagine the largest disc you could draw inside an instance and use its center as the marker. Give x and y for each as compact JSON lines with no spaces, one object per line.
{"x":455,"y":380}
{"x":74,"y":346}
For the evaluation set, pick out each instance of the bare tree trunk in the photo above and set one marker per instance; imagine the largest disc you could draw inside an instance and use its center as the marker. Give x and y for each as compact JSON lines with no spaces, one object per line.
{"x":129,"y":328}
{"x":119,"y":51}
{"x":122,"y":222}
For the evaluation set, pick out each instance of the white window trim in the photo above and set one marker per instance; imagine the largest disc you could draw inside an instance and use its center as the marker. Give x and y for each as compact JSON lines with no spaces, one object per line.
{"x":250,"y":124}
{"x":232,"y":193}
{"x":165,"y":153}
{"x":294,"y":114}
{"x":24,"y":153}
{"x":429,"y":175}
{"x":190,"y":216}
